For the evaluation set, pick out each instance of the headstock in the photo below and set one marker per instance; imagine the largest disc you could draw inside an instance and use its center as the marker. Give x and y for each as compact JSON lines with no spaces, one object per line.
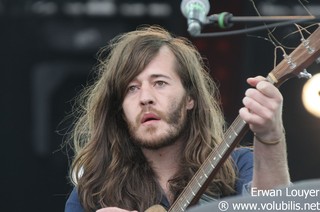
{"x":296,"y":63}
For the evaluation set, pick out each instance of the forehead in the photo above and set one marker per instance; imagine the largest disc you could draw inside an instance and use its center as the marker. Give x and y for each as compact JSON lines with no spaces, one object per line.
{"x":163,"y":64}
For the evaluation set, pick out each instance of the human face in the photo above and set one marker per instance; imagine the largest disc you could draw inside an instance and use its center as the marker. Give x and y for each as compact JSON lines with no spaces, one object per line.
{"x":155,"y":105}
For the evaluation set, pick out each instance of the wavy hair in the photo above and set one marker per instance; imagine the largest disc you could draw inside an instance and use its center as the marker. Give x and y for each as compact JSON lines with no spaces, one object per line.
{"x":108,"y":169}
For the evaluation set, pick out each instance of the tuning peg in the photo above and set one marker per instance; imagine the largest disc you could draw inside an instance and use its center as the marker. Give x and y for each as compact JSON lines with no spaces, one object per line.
{"x":318,"y":60}
{"x":306,"y":44}
{"x":304,"y":74}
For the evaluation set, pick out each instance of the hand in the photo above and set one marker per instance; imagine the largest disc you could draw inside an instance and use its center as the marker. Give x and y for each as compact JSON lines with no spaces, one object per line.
{"x":263,"y":109}
{"x":263,"y":112}
{"x":113,"y":209}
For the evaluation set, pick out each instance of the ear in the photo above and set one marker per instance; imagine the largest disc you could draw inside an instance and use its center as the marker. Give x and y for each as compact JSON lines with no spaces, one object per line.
{"x":189,"y":103}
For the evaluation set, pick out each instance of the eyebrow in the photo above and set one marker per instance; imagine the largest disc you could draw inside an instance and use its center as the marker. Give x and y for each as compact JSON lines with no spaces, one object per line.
{"x":153,"y":76}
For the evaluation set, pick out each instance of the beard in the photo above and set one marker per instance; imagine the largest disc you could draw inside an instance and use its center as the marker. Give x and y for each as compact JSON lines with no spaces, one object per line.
{"x":176,"y":120}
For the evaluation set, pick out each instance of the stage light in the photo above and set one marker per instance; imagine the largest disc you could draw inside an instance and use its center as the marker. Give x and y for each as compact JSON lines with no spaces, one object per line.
{"x":311,"y":95}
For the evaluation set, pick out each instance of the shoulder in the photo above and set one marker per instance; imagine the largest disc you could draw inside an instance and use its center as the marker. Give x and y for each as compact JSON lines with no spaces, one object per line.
{"x":243,"y":158}
{"x":73,"y":203}
{"x":243,"y":161}
{"x":242,"y":155}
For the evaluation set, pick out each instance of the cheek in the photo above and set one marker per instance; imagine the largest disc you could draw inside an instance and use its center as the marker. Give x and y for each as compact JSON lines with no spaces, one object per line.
{"x":126,"y":110}
{"x":130,"y":112}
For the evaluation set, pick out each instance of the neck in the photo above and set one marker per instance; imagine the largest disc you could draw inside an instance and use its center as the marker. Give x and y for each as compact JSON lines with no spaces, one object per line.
{"x":165,"y":163}
{"x":165,"y":159}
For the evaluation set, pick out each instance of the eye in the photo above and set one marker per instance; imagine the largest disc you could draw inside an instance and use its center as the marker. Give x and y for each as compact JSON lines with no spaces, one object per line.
{"x":132,"y":88}
{"x":160,"y":83}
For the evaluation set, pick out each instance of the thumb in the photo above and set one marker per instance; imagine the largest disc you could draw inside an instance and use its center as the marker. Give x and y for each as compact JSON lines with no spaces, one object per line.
{"x":253,"y":81}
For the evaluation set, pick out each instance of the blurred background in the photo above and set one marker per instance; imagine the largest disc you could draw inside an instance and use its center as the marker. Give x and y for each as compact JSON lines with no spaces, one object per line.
{"x":47,"y":52}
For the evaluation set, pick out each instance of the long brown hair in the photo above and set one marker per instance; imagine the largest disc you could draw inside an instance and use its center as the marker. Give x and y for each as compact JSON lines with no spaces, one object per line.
{"x":108,"y":169}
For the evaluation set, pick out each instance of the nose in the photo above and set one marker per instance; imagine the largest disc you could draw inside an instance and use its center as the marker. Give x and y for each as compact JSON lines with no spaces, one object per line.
{"x":146,"y":102}
{"x":146,"y":96}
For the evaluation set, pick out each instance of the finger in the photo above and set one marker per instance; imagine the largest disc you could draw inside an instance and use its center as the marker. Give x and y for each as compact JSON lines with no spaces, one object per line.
{"x":256,"y":108}
{"x":263,"y":100}
{"x":255,"y":122}
{"x":269,"y":90}
{"x":263,"y":85}
{"x":252,"y":119}
{"x":253,"y":81}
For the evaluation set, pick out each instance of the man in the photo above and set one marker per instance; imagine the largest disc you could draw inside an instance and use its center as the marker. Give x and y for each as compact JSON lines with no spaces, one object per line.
{"x":150,"y":120}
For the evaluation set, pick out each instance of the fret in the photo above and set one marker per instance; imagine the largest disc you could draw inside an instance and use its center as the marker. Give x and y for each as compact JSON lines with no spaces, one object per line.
{"x":233,"y":130}
{"x":183,"y":205}
{"x":205,"y":175}
{"x":202,"y":179}
{"x":180,"y":206}
{"x":212,"y":165}
{"x":220,"y":151}
{"x":198,"y":182}
{"x":182,"y":209}
{"x":186,"y":202}
{"x":192,"y":192}
{"x":208,"y":169}
{"x":186,"y":199}
{"x":195,"y":184}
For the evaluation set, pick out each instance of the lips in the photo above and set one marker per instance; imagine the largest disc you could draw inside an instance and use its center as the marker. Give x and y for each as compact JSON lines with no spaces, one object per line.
{"x":149,"y":117}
